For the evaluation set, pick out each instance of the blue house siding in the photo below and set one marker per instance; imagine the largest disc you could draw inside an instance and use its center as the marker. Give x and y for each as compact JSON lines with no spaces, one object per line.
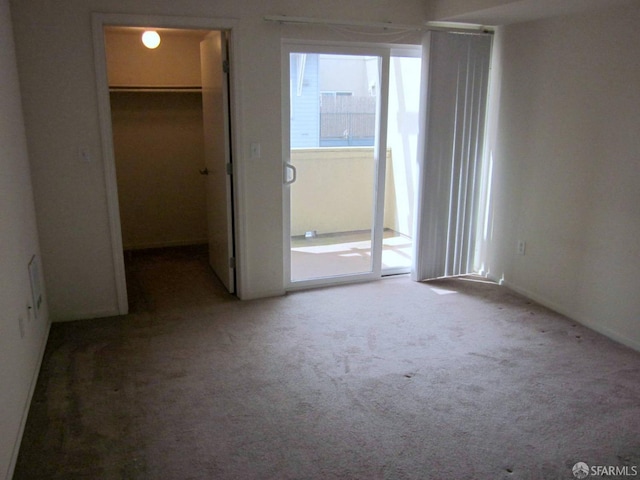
{"x":305,"y":107}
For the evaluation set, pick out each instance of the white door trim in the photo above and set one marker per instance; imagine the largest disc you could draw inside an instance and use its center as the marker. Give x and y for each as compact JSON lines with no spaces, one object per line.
{"x":99,"y":21}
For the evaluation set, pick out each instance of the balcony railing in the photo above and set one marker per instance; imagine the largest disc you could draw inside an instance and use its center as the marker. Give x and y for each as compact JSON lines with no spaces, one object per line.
{"x":334,"y":190}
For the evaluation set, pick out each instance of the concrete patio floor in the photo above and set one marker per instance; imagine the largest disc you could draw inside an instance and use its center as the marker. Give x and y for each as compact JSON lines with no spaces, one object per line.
{"x":346,"y":253}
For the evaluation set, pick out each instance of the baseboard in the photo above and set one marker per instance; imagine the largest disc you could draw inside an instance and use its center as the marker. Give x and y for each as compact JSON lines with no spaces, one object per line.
{"x":25,"y":412}
{"x":175,"y":243}
{"x":88,"y":315}
{"x":255,"y":295}
{"x":582,"y":319}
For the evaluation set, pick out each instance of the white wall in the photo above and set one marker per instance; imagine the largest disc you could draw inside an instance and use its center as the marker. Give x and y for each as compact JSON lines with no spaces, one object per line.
{"x":19,"y":355}
{"x":445,"y":9}
{"x":55,"y":57}
{"x":353,"y":75}
{"x":567,"y":167}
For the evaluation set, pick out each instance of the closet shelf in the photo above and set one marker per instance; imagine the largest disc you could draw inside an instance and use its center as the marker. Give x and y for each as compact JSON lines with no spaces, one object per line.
{"x":195,"y":89}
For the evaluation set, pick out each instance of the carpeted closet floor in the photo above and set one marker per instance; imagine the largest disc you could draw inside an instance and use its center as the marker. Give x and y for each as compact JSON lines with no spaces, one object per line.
{"x":385,"y":380}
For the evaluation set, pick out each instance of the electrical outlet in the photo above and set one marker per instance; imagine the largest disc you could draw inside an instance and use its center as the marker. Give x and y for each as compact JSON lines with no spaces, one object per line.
{"x":522,"y":245}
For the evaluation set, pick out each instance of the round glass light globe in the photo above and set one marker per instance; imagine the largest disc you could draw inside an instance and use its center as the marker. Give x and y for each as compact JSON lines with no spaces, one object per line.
{"x":151,"y":39}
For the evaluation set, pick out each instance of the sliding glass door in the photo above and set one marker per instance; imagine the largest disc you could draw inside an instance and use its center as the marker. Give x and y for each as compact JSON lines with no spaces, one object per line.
{"x":333,"y":170}
{"x":337,"y":220}
{"x":401,"y":172}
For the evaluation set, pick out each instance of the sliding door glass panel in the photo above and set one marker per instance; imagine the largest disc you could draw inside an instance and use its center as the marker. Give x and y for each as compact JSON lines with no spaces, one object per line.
{"x":402,"y":143}
{"x":334,"y":103}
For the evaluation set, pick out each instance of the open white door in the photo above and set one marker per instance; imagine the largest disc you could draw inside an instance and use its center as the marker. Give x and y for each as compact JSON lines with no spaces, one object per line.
{"x":215,"y":108}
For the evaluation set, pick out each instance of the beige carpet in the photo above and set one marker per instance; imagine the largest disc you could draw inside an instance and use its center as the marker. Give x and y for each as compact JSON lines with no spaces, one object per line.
{"x":387,"y":380}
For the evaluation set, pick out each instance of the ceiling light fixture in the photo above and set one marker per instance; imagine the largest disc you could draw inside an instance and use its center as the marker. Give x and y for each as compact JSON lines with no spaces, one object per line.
{"x":151,"y":39}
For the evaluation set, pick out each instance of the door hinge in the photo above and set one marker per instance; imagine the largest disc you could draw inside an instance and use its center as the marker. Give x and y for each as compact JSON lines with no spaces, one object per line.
{"x":225,"y":66}
{"x":229,"y":168}
{"x":232,"y":262}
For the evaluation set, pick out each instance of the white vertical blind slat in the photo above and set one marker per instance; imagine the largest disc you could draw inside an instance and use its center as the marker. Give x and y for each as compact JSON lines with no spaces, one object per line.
{"x":451,"y":152}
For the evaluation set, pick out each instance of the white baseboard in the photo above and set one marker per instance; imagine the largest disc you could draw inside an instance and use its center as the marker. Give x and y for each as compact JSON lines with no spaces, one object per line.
{"x":174,"y":243}
{"x":87,"y":315}
{"x":255,"y":295}
{"x":27,"y":406}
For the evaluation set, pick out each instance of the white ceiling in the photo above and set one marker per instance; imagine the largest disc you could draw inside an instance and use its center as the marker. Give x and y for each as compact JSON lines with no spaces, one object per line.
{"x":516,"y":11}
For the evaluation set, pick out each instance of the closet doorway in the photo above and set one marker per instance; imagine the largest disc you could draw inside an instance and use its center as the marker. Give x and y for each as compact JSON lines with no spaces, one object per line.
{"x":170,"y":128}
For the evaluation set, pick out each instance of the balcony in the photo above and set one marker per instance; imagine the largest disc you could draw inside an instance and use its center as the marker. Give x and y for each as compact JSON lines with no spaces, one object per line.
{"x":332,"y":211}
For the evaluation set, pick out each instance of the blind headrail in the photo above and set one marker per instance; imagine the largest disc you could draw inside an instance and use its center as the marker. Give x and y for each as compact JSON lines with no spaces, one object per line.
{"x":439,"y":26}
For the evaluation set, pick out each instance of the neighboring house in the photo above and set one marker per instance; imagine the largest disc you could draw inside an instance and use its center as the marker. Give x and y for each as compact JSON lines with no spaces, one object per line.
{"x":305,"y":104}
{"x":333,"y":100}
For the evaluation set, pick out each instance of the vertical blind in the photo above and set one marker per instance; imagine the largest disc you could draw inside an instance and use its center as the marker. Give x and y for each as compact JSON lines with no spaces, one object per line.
{"x":456,"y":72}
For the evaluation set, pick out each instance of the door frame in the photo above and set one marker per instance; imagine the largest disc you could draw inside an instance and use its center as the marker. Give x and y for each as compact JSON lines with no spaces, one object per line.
{"x":338,"y":48}
{"x":99,"y":21}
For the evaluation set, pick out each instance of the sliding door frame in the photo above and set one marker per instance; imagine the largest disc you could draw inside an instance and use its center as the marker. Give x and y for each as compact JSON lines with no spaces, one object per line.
{"x":380,"y":147}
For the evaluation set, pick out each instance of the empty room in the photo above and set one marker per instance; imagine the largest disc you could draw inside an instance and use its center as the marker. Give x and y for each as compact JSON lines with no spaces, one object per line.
{"x":332,"y":240}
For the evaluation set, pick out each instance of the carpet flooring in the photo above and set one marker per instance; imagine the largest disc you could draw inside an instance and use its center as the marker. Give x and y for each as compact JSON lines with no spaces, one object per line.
{"x":391,"y":379}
